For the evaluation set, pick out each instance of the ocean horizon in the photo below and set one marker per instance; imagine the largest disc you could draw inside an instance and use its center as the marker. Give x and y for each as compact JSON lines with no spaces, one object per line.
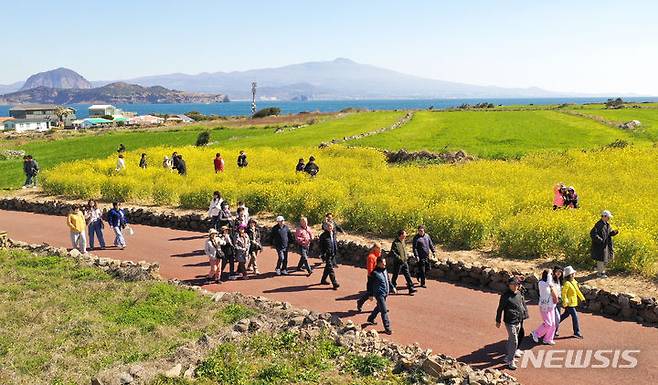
{"x":243,"y":107}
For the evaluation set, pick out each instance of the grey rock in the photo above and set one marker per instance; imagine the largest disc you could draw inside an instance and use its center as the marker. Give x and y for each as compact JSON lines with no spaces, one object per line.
{"x":125,"y":378}
{"x":174,"y":371}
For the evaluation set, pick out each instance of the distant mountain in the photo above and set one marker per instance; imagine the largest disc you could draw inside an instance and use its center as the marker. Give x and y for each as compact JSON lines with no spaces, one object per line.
{"x":336,"y":79}
{"x":7,"y":88}
{"x":114,"y":93}
{"x":63,"y":78}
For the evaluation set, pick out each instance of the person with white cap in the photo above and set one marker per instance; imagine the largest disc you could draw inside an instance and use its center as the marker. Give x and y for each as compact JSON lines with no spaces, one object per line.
{"x":602,"y":245}
{"x":281,"y":237}
{"x":571,"y":298}
{"x":214,"y":252}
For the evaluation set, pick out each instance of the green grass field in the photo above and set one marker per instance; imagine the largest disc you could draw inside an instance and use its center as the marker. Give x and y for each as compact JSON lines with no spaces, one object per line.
{"x":496,"y":135}
{"x":648,"y":118}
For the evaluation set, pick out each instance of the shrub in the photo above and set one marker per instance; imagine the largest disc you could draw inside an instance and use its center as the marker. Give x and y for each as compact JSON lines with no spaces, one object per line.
{"x":267,"y":111}
{"x":203,"y":138}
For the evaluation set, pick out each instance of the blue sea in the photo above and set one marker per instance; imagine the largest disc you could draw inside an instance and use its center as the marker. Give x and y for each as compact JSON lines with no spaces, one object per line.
{"x":243,"y":108}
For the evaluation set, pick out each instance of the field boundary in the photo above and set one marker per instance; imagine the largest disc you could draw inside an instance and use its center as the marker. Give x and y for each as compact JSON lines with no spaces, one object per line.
{"x":618,"y":306}
{"x":399,"y":123}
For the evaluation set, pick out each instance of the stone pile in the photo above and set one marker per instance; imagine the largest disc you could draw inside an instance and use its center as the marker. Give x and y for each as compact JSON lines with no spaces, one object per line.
{"x":630,"y":125}
{"x":403,"y":155}
{"x":399,"y":123}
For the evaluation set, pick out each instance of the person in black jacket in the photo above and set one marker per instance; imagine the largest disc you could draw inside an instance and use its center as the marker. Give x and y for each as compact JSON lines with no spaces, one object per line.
{"x":242,"y":159}
{"x":311,"y":168}
{"x":174,"y":161}
{"x":142,"y":161}
{"x":602,"y":245}
{"x":300,"y":165}
{"x":380,"y":290}
{"x":513,"y":310}
{"x":281,"y":237}
{"x":399,"y":255}
{"x":31,"y":169}
{"x":422,"y":246}
{"x":328,"y":247}
{"x":181,"y":166}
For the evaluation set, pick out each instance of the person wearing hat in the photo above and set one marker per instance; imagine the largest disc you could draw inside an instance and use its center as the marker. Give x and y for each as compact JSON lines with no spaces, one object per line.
{"x":513,"y":310}
{"x":214,"y":252}
{"x":571,"y":298}
{"x":281,"y":237}
{"x":311,"y":168}
{"x":242,"y":243}
{"x":328,"y":248}
{"x":602,"y":245}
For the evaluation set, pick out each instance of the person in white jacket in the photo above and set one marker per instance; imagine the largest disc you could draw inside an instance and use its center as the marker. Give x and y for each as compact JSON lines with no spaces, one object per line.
{"x":215,"y":208}
{"x":548,"y":299}
{"x":121,"y":163}
{"x":213,"y":251}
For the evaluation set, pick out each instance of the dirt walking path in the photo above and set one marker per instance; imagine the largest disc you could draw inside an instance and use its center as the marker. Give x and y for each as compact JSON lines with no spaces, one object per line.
{"x":449,"y":319}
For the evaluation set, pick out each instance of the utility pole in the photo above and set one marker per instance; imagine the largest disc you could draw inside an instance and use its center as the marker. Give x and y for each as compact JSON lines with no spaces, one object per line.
{"x":253,"y":98}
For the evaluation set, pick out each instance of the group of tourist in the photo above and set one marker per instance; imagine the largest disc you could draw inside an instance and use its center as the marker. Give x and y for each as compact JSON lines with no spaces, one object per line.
{"x":564,"y":197}
{"x":88,"y":219}
{"x":311,"y":168}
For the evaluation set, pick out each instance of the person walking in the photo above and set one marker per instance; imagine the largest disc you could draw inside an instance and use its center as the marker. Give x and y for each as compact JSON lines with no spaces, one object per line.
{"x":548,"y":299}
{"x":30,"y":169}
{"x":281,"y":237}
{"x":311,"y":167}
{"x":214,"y":252}
{"x":228,"y":250}
{"x":371,"y":264}
{"x":557,"y":285}
{"x":77,"y":226}
{"x":513,"y":310}
{"x":422,"y":246}
{"x":255,"y":246}
{"x":142,"y":161}
{"x":225,"y":216}
{"x":215,"y":208}
{"x":94,"y":219}
{"x":380,"y":291}
{"x":218,"y":162}
{"x":242,"y":244}
{"x":602,"y":246}
{"x":181,"y":167}
{"x":242,"y":159}
{"x":121,"y":163}
{"x":329,"y":247}
{"x":117,"y":220}
{"x":399,"y":255}
{"x":304,"y":236}
{"x":571,"y":298}
{"x":300,"y":165}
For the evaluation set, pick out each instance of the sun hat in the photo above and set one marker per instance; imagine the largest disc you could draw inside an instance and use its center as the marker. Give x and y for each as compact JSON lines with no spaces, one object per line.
{"x":569,"y":271}
{"x":280,"y":218}
{"x":213,"y":231}
{"x":606,"y":213}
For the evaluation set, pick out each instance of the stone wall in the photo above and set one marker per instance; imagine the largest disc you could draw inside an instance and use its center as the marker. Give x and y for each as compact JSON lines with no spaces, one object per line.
{"x":620,"y":306}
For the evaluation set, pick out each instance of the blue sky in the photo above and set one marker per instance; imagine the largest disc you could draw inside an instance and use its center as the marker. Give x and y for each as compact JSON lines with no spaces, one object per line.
{"x":580,"y":46}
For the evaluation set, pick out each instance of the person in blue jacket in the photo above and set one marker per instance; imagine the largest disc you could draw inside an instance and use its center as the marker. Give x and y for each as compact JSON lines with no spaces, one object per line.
{"x":117,"y":220}
{"x":380,"y":289}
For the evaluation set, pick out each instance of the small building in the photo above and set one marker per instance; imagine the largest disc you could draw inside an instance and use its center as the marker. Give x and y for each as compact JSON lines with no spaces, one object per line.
{"x":24,"y":125}
{"x":146,"y":120}
{"x":95,"y":122}
{"x":43,"y":112}
{"x":4,"y":119}
{"x":179,"y":118}
{"x":100,"y":110}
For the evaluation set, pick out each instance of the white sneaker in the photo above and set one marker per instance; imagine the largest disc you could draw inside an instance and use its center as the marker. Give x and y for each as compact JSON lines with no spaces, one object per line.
{"x":518,"y":353}
{"x":511,"y":365}
{"x":284,"y":272}
{"x":24,"y":187}
{"x":277,"y":272}
{"x":549,"y":343}
{"x":534,"y":337}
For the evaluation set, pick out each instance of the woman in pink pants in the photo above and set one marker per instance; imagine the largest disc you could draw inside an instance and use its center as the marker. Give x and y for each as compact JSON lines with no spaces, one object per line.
{"x":547,"y":301}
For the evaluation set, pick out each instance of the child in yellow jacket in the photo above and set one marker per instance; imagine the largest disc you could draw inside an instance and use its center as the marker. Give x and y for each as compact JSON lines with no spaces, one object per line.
{"x":571,"y":298}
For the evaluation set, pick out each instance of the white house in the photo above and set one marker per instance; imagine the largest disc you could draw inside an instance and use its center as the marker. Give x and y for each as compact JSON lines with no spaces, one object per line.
{"x":146,"y":120}
{"x":23,"y":125}
{"x":100,"y":110}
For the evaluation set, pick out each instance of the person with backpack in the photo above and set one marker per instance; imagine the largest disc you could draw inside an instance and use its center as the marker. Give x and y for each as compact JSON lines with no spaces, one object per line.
{"x":371,"y":264}
{"x":513,"y":310}
{"x":602,"y":246}
{"x":281,"y":237}
{"x":328,"y":248}
{"x":399,"y":256}
{"x":311,"y":168}
{"x":304,"y":236}
{"x":255,"y":246}
{"x":571,"y":298}
{"x":242,"y":159}
{"x":30,"y":169}
{"x":77,"y":226}
{"x":117,"y":220}
{"x":422,"y":246}
{"x":94,"y":219}
{"x":380,"y":291}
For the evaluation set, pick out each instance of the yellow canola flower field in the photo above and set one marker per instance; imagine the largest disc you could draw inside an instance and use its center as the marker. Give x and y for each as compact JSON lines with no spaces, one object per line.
{"x":506,"y":205}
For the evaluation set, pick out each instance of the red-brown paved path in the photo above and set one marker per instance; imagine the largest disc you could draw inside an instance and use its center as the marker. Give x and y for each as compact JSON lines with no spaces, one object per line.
{"x":446,"y":318}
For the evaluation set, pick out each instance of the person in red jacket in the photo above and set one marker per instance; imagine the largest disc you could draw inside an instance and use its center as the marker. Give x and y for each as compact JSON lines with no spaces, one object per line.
{"x":371,"y":264}
{"x":219,"y":163}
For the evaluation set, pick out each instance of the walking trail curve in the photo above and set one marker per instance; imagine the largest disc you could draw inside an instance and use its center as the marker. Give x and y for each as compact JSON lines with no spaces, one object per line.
{"x":449,"y":319}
